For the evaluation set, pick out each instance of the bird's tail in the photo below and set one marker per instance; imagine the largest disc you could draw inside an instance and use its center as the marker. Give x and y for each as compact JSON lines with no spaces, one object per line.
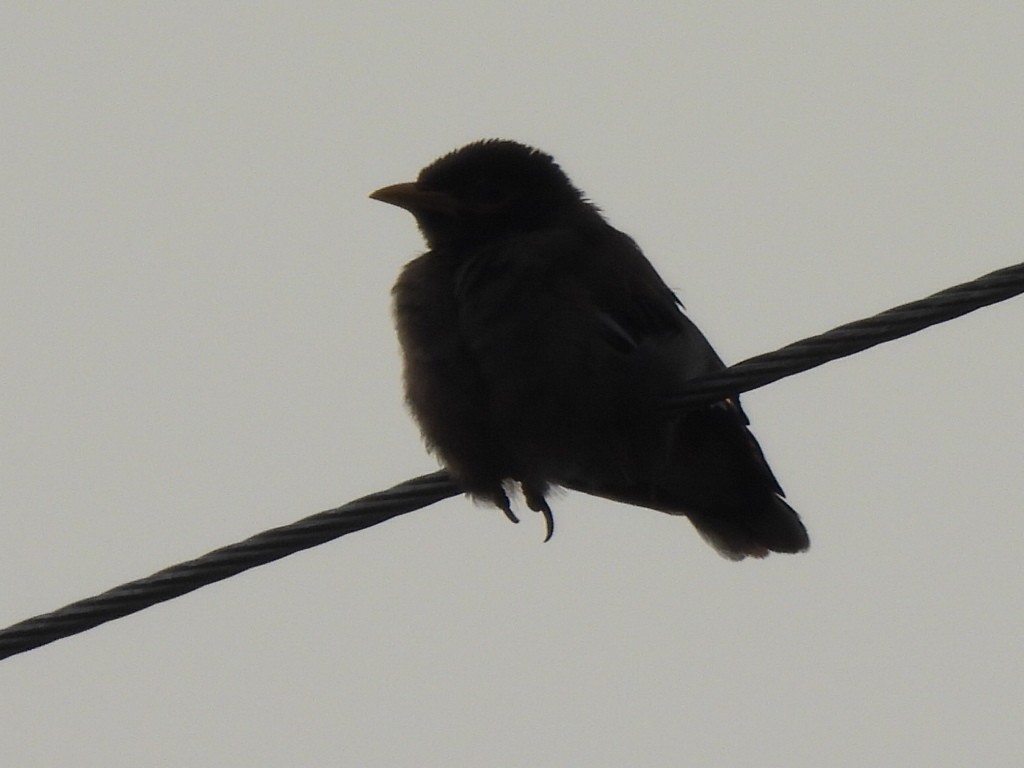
{"x":752,"y":530}
{"x":708,"y":467}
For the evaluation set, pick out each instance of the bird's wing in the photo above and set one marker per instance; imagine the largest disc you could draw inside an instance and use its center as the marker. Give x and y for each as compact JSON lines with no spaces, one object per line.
{"x":633,"y":300}
{"x":568,"y":288}
{"x":628,"y":290}
{"x":635,"y":303}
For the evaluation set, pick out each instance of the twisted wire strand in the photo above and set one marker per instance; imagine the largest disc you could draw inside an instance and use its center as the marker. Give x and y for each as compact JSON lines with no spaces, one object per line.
{"x":226,"y":561}
{"x":427,"y":489}
{"x":848,"y":339}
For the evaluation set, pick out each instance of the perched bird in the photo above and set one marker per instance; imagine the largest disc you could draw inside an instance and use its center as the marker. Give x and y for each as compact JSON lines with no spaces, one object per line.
{"x":540,"y":344}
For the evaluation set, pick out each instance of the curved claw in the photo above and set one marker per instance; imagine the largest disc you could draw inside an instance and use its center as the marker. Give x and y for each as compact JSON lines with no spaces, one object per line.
{"x":502,"y":502}
{"x":549,"y":520}
{"x":539,"y":504}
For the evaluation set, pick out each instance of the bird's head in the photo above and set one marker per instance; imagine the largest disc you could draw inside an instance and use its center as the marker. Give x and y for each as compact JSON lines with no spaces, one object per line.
{"x":487,"y":190}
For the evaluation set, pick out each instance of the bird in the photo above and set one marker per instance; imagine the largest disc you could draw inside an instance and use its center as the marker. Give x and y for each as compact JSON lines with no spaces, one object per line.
{"x":539,"y":346}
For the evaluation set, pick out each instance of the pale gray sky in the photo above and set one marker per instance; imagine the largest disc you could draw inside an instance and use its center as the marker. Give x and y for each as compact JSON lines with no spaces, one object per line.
{"x":197,"y":345}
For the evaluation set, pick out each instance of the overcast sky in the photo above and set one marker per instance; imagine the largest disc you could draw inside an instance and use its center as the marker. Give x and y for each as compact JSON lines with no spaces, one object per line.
{"x":197,"y":345}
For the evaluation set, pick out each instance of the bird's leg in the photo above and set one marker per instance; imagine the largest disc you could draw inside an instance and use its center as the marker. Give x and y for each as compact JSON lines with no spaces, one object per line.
{"x":538,"y":503}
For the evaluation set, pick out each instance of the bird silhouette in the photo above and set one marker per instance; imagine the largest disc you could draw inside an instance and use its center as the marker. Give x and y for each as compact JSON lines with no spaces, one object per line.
{"x":539,"y":348}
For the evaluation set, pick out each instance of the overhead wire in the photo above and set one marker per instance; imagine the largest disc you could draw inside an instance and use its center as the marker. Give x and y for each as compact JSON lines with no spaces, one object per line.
{"x":422,"y":491}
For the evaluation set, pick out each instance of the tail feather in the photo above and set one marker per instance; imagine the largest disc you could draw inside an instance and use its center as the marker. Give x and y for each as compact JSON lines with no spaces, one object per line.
{"x":709,"y":467}
{"x":752,"y":531}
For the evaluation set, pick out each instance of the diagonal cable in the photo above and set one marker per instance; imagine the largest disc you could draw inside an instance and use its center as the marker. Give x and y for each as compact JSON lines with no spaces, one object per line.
{"x":425,"y":490}
{"x":225,"y":562}
{"x":851,"y":338}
